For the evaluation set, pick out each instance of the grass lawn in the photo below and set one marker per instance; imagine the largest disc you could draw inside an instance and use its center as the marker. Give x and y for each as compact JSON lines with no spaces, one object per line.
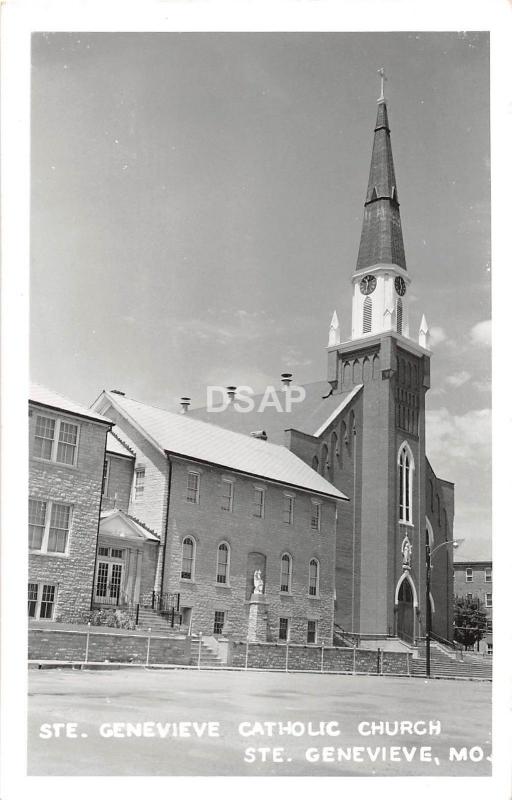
{"x":92,"y":699}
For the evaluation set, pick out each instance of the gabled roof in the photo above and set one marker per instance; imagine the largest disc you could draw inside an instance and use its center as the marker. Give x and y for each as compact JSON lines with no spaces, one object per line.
{"x":116,"y":446}
{"x":311,"y":416}
{"x":381,"y":236}
{"x":129,"y":523}
{"x":181,"y":435}
{"x":47,"y":397}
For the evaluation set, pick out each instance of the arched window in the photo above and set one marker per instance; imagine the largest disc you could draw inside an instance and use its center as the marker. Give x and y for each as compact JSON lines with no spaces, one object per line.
{"x":346,"y":373}
{"x":223,"y":557}
{"x":357,"y":371}
{"x":286,"y":573}
{"x":367,"y":369}
{"x":334,"y":453}
{"x":375,"y":367}
{"x":188,"y":558}
{"x":314,"y":575}
{"x":314,"y":464}
{"x":405,"y":473}
{"x":367,"y":315}
{"x":324,"y":455}
{"x":343,"y":441}
{"x":399,"y":313}
{"x":429,"y":533}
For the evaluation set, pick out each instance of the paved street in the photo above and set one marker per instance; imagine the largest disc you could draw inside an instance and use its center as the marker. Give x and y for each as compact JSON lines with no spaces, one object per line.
{"x":334,"y":705}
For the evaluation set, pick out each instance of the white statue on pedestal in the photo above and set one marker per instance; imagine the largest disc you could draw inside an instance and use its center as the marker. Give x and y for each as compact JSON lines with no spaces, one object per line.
{"x":258,"y":582}
{"x":406,"y":553}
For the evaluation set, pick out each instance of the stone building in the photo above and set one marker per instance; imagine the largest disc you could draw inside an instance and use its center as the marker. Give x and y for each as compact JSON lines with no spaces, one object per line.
{"x":66,"y":457}
{"x":245,"y":531}
{"x":473,"y":579}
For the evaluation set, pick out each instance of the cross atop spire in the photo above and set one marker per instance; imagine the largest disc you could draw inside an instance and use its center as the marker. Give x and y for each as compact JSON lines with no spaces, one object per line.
{"x":383,"y":80}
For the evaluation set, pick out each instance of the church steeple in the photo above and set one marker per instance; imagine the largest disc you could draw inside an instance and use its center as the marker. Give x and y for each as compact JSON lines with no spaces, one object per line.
{"x":381,"y":237}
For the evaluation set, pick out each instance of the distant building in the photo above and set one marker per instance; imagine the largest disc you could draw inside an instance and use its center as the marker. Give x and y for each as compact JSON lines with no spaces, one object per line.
{"x":473,"y":579}
{"x":66,"y":457}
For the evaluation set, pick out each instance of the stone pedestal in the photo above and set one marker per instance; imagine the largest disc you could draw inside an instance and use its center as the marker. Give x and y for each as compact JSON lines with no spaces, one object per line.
{"x":258,"y":618}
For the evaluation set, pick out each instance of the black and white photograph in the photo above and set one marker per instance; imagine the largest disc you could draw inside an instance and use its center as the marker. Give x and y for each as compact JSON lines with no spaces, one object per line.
{"x":259,"y":361}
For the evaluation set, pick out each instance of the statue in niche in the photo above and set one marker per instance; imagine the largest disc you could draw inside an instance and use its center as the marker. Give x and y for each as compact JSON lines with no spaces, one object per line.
{"x":258,"y":582}
{"x":406,"y":553}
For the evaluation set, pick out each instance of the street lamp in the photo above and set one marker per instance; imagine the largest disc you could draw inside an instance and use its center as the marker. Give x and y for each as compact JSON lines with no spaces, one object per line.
{"x":429,"y":554}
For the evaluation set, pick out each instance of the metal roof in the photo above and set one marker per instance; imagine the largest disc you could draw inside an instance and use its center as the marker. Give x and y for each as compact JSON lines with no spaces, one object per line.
{"x":47,"y":397}
{"x":180,"y":434}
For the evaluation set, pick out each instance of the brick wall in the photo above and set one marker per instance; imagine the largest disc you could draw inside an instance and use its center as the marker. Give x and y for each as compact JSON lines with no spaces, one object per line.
{"x":333,"y":659}
{"x":119,"y":483}
{"x":80,"y":487}
{"x":63,"y":645}
{"x":209,"y":525}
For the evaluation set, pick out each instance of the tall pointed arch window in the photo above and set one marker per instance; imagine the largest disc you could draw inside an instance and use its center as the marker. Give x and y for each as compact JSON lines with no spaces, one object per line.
{"x":223,"y":563}
{"x":188,"y":558}
{"x":399,"y":315}
{"x":367,"y":315}
{"x":405,"y":476}
{"x":286,"y":573}
{"x":324,"y":459}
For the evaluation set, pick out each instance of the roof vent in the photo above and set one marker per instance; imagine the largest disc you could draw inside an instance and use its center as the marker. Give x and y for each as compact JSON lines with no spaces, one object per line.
{"x":231,"y":390}
{"x":286,"y":378}
{"x":259,"y":435}
{"x":185,"y":402}
{"x":118,"y":391}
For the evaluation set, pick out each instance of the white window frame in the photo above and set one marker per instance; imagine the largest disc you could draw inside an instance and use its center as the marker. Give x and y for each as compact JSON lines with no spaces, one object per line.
{"x":405,"y":484}
{"x":227,"y":502}
{"x":488,"y":599}
{"x":316,"y":585}
{"x":192,"y":560}
{"x":228,"y":564}
{"x":316,"y":515}
{"x":261,"y":505}
{"x":287,"y":637}
{"x":47,"y":525}
{"x":290,"y":571}
{"x":488,"y":575}
{"x":289,"y":509}
{"x":41,"y":585}
{"x":315,"y":623}
{"x":139,"y":488}
{"x":193,"y":493}
{"x":56,"y":437}
{"x":469,"y":574}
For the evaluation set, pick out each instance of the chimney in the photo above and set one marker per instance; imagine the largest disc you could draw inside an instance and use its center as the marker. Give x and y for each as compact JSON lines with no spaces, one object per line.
{"x":185,"y":402}
{"x":118,"y":391}
{"x":231,"y":390}
{"x":259,"y":435}
{"x":286,"y":379}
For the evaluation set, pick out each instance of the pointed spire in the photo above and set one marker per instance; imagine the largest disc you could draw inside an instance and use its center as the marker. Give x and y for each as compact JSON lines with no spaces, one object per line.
{"x":381,"y":237}
{"x":334,"y":331}
{"x":424,"y":334}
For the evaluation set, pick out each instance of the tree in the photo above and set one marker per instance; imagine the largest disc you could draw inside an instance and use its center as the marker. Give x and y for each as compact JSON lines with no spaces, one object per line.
{"x":469,"y":622}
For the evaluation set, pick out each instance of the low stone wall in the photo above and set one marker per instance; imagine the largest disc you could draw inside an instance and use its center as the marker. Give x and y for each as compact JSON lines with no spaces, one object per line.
{"x":315,"y":658}
{"x":46,"y":644}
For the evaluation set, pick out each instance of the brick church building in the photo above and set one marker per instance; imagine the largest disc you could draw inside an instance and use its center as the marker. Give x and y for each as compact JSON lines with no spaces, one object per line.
{"x":289,"y":524}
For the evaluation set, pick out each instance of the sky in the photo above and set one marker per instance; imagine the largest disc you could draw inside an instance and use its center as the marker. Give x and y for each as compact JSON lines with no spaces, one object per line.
{"x":196,"y":210}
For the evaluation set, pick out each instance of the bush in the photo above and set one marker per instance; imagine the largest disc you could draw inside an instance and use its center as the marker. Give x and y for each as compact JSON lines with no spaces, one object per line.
{"x":111,"y":618}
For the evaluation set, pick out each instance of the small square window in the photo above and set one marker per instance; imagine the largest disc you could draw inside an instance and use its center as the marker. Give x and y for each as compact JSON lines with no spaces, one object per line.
{"x":103,"y":551}
{"x":488,"y":575}
{"x":283,"y":629}
{"x":41,"y":600}
{"x":218,"y":623}
{"x":258,"y":505}
{"x":312,"y":631}
{"x":469,"y":575}
{"x":193,"y":487}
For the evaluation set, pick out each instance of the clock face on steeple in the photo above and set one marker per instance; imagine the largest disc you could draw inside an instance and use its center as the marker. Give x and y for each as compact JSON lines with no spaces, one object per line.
{"x":400,"y":286}
{"x":368,"y":284}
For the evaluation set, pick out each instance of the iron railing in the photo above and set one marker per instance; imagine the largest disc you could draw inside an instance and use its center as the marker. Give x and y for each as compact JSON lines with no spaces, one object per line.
{"x":165,"y":603}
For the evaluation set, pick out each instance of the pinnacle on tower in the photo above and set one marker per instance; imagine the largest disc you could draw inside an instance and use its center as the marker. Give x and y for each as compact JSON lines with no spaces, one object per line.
{"x":424,"y":334}
{"x":334,"y":331}
{"x":381,"y":237}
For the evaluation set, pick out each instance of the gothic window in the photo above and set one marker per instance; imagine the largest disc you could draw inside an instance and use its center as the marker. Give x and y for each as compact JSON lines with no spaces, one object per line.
{"x":399,"y":312}
{"x":188,"y":558}
{"x":367,"y":315}
{"x":314,"y":574}
{"x":343,"y":436}
{"x":357,"y":372}
{"x":334,"y":452}
{"x":367,"y":370}
{"x":405,"y":474}
{"x":314,"y":464}
{"x":346,"y":372}
{"x":223,"y":558}
{"x":324,"y":454}
{"x":286,"y":573}
{"x":375,"y":367}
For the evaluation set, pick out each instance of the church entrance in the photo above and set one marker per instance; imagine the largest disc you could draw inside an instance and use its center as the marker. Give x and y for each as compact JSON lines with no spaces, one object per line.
{"x":405,"y":616}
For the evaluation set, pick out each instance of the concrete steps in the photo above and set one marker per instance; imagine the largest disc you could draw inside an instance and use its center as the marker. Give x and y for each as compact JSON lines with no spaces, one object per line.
{"x":157,"y":622}
{"x":208,"y":657}
{"x":448,"y":664}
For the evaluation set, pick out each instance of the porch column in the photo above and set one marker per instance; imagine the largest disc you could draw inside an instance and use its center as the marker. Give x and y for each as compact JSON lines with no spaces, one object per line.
{"x":138,"y":570}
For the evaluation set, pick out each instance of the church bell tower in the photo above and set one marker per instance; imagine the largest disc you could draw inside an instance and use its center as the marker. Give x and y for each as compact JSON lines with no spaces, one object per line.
{"x":382,"y":559}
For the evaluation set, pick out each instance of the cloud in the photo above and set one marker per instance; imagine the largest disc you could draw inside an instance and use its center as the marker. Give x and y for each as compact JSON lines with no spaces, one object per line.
{"x":292,"y":357}
{"x":482,"y":386}
{"x":481,"y":333}
{"x":229,"y":326}
{"x":464,"y":438}
{"x":437,"y":335}
{"x":458,"y":379}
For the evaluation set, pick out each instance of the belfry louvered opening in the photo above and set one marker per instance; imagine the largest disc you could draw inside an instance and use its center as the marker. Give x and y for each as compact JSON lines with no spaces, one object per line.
{"x":367,"y":315}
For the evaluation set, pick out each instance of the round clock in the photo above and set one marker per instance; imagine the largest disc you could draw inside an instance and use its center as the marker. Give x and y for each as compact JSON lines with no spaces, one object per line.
{"x":368,"y":284}
{"x":400,"y":286}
